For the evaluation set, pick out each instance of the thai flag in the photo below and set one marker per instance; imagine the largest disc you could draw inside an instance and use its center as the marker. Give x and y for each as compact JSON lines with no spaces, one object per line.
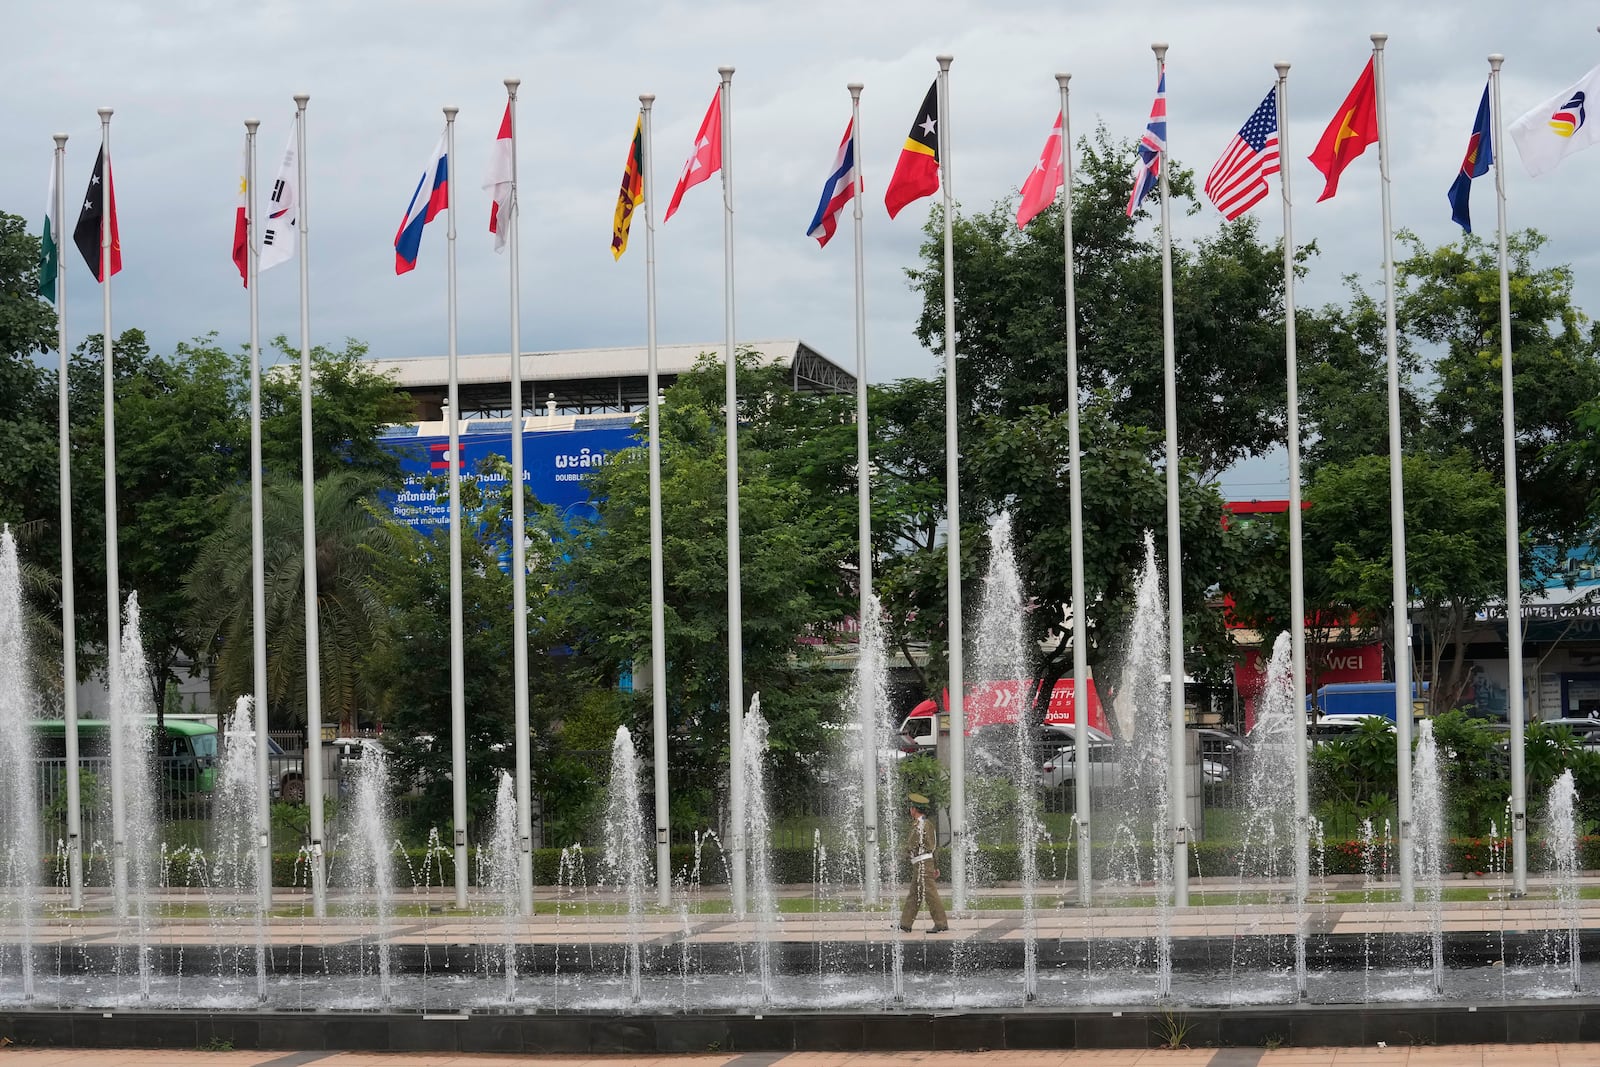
{"x":431,"y":197}
{"x":836,"y":191}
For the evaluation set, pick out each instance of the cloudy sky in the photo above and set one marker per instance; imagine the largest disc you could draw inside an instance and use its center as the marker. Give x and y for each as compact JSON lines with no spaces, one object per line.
{"x":184,"y":74}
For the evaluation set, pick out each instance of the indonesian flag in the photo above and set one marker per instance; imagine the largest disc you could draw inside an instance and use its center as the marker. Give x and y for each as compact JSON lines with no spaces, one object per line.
{"x":241,"y":226}
{"x":502,"y":160}
{"x":707,"y":156}
{"x":1040,"y":189}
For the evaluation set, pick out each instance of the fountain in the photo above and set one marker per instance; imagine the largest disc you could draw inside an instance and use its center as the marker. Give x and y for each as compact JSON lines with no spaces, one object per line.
{"x":878,"y":734}
{"x":133,"y":857}
{"x":1562,"y":841}
{"x":19,"y":802}
{"x":366,"y":863}
{"x":758,"y":838}
{"x":497,"y":874}
{"x":1428,"y":812}
{"x":625,"y":847}
{"x":235,"y":865}
{"x":1002,"y":653}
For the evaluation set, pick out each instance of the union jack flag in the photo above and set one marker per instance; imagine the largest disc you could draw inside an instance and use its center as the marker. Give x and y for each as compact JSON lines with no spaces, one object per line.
{"x":1152,"y":147}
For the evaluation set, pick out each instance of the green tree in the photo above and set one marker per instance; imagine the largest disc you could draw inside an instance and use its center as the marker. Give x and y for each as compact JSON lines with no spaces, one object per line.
{"x":1454,"y":535}
{"x":350,"y":406}
{"x":27,"y":391}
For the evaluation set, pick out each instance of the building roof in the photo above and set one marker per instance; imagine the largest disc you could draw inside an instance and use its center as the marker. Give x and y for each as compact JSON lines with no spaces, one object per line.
{"x":596,"y":379}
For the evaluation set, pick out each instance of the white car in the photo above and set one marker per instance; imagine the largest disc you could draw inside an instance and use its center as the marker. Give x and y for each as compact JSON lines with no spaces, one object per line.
{"x":1104,"y":771}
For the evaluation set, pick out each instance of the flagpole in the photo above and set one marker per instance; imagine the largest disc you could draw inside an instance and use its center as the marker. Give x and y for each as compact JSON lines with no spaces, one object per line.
{"x":866,"y":693}
{"x":1515,"y":703}
{"x":308,"y":544}
{"x":1297,"y":588}
{"x":458,"y":692}
{"x":119,"y":842}
{"x":658,"y":582}
{"x":955,"y":704}
{"x":519,"y":563}
{"x":69,"y":611}
{"x":1080,"y":624}
{"x":1397,"y":514}
{"x":258,"y":551}
{"x":736,"y":796}
{"x":1177,"y":765}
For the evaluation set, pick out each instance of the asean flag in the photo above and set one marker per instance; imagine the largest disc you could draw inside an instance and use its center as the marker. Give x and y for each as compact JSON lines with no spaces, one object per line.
{"x":432,"y":196}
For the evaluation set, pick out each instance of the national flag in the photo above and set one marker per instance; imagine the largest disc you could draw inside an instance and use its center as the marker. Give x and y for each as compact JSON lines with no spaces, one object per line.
{"x":1480,"y":153}
{"x":706,"y":159}
{"x":280,"y":233}
{"x":87,"y":233}
{"x":1039,"y":191}
{"x":631,"y":195}
{"x":428,"y":200}
{"x":1354,"y":126}
{"x":1238,"y":181}
{"x":916,"y":175}
{"x":50,"y":242}
{"x":241,"y":224}
{"x":1557,"y":128}
{"x":499,"y":178}
{"x":1152,"y":146}
{"x":837,"y":190}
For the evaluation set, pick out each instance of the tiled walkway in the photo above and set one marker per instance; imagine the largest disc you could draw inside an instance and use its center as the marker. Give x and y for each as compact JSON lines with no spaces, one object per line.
{"x":1443,"y":1056}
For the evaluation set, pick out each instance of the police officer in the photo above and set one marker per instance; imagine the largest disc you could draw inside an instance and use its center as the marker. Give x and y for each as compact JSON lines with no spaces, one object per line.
{"x":921,"y":842}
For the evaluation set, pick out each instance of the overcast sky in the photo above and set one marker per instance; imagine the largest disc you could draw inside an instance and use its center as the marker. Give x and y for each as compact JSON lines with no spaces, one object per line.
{"x":184,"y":74}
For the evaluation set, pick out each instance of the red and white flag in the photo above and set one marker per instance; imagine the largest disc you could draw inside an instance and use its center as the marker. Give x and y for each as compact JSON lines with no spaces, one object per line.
{"x":1039,"y":191}
{"x":499,"y":179}
{"x":241,"y":224}
{"x":706,"y":158}
{"x":1238,"y":181}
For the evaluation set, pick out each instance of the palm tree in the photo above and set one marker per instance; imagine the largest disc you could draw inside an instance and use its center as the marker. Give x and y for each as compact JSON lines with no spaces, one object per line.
{"x":350,"y":537}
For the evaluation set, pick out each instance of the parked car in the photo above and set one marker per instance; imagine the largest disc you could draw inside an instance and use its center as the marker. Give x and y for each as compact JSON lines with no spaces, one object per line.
{"x":185,"y":753}
{"x":1585,"y":728}
{"x":1104,"y":770}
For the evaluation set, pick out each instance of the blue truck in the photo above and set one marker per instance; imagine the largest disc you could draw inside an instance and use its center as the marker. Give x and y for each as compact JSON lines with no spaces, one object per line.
{"x":1360,"y":698}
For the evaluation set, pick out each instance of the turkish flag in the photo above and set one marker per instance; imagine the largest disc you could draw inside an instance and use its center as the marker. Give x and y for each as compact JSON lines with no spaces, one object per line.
{"x":707,"y":156}
{"x":1039,"y":191}
{"x":1354,"y":126}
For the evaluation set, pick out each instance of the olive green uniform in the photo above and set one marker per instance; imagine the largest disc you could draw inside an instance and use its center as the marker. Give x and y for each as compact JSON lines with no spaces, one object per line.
{"x":921,"y":841}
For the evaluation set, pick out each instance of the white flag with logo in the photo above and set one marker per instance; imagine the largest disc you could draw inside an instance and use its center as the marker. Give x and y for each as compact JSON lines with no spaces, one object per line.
{"x":279,"y":233}
{"x":1559,"y":127}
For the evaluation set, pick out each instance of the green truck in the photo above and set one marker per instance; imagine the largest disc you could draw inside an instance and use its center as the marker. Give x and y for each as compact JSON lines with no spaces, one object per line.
{"x":185,"y":752}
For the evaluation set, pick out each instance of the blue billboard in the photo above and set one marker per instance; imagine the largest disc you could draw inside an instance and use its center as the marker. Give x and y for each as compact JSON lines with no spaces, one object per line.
{"x":555,"y":465}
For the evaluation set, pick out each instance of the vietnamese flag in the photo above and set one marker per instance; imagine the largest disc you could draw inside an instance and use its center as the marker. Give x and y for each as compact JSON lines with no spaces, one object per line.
{"x":916,"y":175}
{"x":1354,"y":126}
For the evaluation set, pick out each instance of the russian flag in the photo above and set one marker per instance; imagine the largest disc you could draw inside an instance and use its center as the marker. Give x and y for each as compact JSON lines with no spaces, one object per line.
{"x":837,"y":191}
{"x":431,"y":197}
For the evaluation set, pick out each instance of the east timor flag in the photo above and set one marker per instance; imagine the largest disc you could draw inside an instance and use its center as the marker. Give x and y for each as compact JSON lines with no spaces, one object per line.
{"x":1353,"y":128}
{"x":632,"y":192}
{"x":917,"y":173}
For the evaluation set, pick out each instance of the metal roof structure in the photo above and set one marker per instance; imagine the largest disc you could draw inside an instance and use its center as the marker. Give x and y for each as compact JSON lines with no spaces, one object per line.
{"x":588,"y":381}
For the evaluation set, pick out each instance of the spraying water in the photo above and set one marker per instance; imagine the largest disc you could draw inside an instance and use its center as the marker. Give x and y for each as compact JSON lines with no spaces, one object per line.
{"x":1269,"y":794}
{"x":1428,"y":814}
{"x":1002,"y":653}
{"x":1140,"y":839}
{"x":1562,"y":840}
{"x":132,"y":738}
{"x":758,"y":838}
{"x":368,"y":867}
{"x":234,"y":866}
{"x":19,"y":804}
{"x":877,"y":734}
{"x":625,"y":839}
{"x":498,"y":874}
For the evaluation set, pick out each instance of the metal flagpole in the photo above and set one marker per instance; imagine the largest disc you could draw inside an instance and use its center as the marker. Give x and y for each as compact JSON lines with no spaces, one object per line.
{"x":69,"y":610}
{"x":1297,"y":586}
{"x":658,"y":581}
{"x":519,"y":538}
{"x":1515,"y":703}
{"x":258,"y":551}
{"x":308,"y":530}
{"x":458,"y":690}
{"x":1397,"y":512}
{"x":119,"y":839}
{"x":1080,"y":623}
{"x":735,"y":591}
{"x":866,"y":694}
{"x":952,"y":480}
{"x":1176,"y":768}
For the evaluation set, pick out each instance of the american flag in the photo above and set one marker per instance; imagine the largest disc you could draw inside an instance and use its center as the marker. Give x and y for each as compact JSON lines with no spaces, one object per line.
{"x":1152,"y":146}
{"x":1239,"y":180}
